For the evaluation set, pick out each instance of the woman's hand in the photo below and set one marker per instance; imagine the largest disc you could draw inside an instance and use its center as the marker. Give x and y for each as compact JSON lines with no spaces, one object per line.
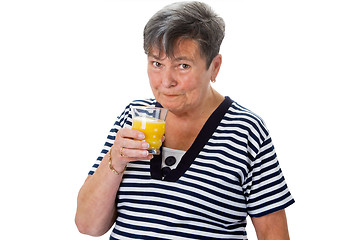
{"x":129,"y":146}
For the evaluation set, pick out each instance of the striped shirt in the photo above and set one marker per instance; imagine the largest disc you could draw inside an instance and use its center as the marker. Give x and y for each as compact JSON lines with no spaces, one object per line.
{"x":230,"y":171}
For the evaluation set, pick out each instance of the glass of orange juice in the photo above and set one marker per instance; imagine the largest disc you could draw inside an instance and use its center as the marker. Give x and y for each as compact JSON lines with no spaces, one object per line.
{"x":150,"y":121}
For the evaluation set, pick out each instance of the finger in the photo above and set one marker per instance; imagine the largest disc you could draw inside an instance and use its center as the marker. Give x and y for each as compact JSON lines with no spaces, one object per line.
{"x":119,"y":161}
{"x":132,"y":144}
{"x":136,"y":154}
{"x":130,"y":148}
{"x":130,"y":133}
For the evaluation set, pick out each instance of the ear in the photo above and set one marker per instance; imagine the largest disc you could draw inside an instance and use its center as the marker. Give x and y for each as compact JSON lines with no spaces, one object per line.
{"x":215,"y":66}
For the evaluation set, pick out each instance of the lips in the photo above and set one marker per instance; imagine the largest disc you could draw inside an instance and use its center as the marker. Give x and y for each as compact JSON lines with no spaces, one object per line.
{"x":171,"y":94}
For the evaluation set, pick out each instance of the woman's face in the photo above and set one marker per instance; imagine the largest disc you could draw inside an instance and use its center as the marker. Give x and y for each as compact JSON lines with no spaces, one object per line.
{"x":181,"y":83}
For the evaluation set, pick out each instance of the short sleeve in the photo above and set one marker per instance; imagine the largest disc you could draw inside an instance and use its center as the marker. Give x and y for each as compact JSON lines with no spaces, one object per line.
{"x":265,"y":188}
{"x":122,"y":121}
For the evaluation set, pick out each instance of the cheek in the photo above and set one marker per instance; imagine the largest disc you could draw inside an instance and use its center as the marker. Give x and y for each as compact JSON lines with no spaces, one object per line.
{"x":193,"y":84}
{"x":188,"y":82}
{"x":153,"y":79}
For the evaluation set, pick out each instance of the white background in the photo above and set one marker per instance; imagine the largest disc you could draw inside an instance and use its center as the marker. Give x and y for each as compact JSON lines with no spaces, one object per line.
{"x":67,"y":69}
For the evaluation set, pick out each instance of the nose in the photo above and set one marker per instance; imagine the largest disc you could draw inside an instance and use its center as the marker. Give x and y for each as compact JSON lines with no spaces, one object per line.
{"x":168,"y":78}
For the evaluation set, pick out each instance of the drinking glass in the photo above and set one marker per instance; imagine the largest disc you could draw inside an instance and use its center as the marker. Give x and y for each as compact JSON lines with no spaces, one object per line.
{"x":150,"y":121}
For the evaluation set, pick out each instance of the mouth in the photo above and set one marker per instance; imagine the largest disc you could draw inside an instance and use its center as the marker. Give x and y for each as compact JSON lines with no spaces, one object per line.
{"x":170,"y":95}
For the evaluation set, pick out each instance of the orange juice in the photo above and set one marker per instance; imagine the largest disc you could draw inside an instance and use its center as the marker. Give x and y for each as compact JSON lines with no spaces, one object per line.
{"x":153,"y":129}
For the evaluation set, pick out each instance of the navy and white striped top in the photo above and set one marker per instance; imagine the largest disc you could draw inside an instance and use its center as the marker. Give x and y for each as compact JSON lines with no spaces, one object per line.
{"x":231,"y":171}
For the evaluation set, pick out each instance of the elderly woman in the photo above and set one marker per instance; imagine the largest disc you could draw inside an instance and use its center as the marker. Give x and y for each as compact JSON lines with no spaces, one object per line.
{"x":223,"y":164}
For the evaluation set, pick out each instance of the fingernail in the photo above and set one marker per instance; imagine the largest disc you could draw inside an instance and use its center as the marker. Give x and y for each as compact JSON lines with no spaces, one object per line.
{"x":145,"y":145}
{"x":141,"y":136}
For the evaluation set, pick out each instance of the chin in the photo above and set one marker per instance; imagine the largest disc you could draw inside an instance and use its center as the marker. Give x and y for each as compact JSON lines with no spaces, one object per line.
{"x":169,"y":100}
{"x":171,"y":106}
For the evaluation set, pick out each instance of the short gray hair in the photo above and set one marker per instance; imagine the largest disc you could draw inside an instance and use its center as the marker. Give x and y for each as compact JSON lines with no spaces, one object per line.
{"x":193,"y":20}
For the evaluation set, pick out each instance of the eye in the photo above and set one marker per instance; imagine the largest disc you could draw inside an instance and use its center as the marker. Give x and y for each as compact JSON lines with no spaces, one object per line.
{"x":156,"y":64}
{"x":184,"y":66}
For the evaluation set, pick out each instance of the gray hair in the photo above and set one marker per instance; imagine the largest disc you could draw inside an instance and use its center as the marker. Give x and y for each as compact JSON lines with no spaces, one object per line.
{"x":193,"y":20}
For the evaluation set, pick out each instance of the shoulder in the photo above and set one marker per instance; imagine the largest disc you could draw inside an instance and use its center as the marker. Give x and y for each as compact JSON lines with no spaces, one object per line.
{"x":123,"y":118}
{"x":239,"y":110}
{"x":246,"y":121}
{"x":139,"y":103}
{"x":143,"y":102}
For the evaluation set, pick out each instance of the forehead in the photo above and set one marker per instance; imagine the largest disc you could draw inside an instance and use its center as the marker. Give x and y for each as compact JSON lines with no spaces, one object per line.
{"x":183,"y":48}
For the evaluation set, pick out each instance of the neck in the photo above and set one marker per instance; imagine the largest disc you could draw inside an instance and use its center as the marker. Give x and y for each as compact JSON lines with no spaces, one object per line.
{"x":182,"y":129}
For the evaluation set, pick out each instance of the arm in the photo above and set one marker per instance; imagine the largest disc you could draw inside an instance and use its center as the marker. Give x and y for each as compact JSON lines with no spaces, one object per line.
{"x":96,"y":209}
{"x":272,"y":226}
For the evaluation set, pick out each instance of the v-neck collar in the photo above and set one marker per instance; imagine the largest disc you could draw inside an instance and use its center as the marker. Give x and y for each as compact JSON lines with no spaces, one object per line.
{"x":203,"y":137}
